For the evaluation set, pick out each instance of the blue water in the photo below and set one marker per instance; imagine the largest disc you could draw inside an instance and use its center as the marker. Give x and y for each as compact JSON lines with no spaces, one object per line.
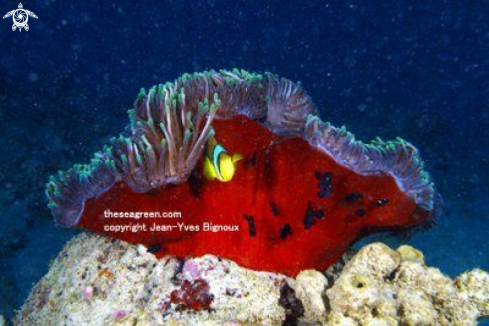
{"x":416,"y":69}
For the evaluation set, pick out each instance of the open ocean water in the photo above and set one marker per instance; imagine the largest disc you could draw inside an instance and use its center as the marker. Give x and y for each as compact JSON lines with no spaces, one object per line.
{"x":415,"y":69}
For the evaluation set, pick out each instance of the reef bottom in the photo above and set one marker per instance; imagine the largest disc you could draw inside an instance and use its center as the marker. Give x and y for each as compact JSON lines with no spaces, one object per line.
{"x":97,"y":280}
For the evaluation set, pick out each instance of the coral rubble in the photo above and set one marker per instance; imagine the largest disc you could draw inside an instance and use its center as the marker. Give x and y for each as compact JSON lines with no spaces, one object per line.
{"x":96,"y":280}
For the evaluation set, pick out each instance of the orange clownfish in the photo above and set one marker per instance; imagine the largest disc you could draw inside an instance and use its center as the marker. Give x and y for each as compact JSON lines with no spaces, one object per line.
{"x":218,"y":164}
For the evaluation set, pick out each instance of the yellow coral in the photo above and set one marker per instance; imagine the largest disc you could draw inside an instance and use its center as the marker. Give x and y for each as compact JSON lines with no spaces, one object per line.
{"x":409,"y":253}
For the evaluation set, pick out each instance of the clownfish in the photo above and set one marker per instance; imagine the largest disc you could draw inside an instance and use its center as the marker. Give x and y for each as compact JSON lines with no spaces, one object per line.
{"x":218,"y":164}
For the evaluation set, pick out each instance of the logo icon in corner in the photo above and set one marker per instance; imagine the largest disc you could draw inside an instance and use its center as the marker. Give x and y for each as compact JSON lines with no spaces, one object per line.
{"x":20,"y":17}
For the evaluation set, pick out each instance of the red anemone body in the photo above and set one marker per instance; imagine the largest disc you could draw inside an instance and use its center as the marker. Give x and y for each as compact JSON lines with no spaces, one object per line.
{"x":294,"y":206}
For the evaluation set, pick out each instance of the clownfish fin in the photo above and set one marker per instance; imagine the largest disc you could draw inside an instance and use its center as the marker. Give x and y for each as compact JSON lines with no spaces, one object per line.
{"x":209,"y":171}
{"x":226,"y":168}
{"x":237,"y":157}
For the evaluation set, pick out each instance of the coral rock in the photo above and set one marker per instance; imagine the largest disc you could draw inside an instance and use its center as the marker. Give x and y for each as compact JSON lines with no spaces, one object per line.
{"x":397,"y":286}
{"x":410,"y":253}
{"x":132,"y":287}
{"x":310,"y":287}
{"x":474,"y":286}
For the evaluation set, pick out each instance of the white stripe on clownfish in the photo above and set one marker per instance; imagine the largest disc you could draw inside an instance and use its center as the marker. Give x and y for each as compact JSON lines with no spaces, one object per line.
{"x":218,"y":164}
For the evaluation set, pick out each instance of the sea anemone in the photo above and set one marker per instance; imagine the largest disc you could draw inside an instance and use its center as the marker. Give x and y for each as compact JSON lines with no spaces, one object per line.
{"x":288,"y":155}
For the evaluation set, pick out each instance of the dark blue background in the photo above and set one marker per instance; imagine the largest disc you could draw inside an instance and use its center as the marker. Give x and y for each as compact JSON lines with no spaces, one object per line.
{"x":415,"y":69}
